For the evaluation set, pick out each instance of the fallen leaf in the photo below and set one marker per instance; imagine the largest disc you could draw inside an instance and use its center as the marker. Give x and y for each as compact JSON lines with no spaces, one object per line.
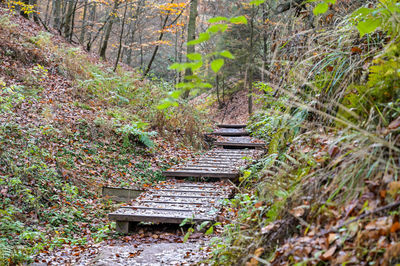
{"x":298,"y":211}
{"x":394,"y":188}
{"x":332,"y":237}
{"x":395,"y":227}
{"x":356,"y":50}
{"x":329,"y":253}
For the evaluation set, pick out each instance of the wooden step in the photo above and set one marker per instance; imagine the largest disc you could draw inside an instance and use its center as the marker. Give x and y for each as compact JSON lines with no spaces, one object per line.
{"x":231,"y":126}
{"x":230,"y":132}
{"x":173,"y":202}
{"x":242,"y":142}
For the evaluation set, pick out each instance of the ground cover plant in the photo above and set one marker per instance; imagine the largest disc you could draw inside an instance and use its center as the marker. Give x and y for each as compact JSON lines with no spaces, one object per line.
{"x":327,"y":191}
{"x":70,"y":125}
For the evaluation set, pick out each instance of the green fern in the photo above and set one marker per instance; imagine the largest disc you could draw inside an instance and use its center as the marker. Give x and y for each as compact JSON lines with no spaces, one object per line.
{"x":6,"y":252}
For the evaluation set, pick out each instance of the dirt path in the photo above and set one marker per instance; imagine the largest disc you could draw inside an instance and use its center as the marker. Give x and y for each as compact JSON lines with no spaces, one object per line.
{"x":147,"y":245}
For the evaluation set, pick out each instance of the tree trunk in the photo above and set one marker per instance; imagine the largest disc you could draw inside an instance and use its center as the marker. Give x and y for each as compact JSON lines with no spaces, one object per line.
{"x":83,"y":29}
{"x":120,"y":38}
{"x":46,"y":16}
{"x":132,"y":32}
{"x":107,"y":34}
{"x":141,"y":48}
{"x":56,"y":14}
{"x":92,"y":17}
{"x":68,"y":19}
{"x":217,"y":85}
{"x":250,"y":74}
{"x":73,"y":22}
{"x":191,"y":35}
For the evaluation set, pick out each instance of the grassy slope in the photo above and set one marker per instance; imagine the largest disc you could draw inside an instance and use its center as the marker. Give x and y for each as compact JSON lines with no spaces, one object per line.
{"x":328,"y":191}
{"x":69,"y":125}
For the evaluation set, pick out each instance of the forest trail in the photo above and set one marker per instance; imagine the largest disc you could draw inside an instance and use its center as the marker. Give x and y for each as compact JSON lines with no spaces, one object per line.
{"x":173,"y":201}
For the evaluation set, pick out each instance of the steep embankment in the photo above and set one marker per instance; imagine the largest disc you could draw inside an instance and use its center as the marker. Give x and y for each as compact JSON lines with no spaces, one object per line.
{"x":69,"y":125}
{"x":328,"y":191}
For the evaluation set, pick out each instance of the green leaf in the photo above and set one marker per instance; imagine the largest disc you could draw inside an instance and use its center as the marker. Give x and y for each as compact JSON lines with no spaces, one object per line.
{"x":176,"y":94}
{"x":185,"y":221}
{"x":203,"y":224}
{"x":185,"y":85}
{"x":217,"y":27}
{"x":210,"y":231}
{"x":196,"y":65}
{"x":203,"y":37}
{"x":203,"y":85}
{"x":217,"y":64}
{"x":217,"y":19}
{"x":321,"y":8}
{"x":180,"y":66}
{"x":257,"y":2}
{"x":239,"y":20}
{"x":227,"y":54}
{"x":186,"y":237}
{"x":194,"y":56}
{"x":368,"y":26}
{"x":166,"y":104}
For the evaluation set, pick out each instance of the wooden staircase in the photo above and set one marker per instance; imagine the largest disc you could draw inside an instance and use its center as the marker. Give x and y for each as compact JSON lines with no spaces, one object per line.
{"x":174,"y":200}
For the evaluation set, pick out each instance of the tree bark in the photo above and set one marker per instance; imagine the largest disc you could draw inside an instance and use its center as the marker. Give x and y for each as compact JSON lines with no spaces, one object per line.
{"x":73,"y":22}
{"x":83,"y":29}
{"x":107,"y":34}
{"x":92,"y":17}
{"x":68,"y":19}
{"x":56,"y":14}
{"x":250,"y":66}
{"x":191,"y":35}
{"x":132,"y":32}
{"x":120,"y":38}
{"x":46,"y":16}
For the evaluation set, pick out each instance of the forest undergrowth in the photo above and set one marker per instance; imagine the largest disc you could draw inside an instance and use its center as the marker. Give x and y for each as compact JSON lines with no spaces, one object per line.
{"x":68,"y":126}
{"x":328,"y":190}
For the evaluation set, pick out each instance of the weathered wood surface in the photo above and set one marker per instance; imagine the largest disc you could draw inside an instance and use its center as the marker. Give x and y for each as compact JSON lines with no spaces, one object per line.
{"x":241,"y":142}
{"x":121,"y":194}
{"x":172,"y":202}
{"x":215,"y":163}
{"x":230,"y":132}
{"x":231,"y":126}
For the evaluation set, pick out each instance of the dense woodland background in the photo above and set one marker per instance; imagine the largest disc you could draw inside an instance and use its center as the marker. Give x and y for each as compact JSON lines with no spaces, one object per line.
{"x":93,"y":93}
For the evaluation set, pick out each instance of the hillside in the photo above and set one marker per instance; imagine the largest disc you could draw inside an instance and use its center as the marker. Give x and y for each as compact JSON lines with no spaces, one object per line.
{"x":68,"y":126}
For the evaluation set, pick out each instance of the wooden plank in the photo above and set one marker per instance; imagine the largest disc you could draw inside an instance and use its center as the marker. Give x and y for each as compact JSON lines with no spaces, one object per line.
{"x":200,"y":174}
{"x":239,"y":144}
{"x":230,"y":132}
{"x":121,"y":194}
{"x":191,"y":191}
{"x":174,"y":202}
{"x":152,"y":208}
{"x":231,"y":126}
{"x":225,"y":166}
{"x":156,"y":218}
{"x":183,"y":196}
{"x":207,"y":169}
